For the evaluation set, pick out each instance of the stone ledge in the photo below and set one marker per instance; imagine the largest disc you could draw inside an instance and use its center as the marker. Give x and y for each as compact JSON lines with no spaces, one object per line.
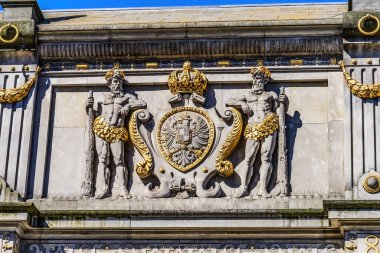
{"x":18,"y":207}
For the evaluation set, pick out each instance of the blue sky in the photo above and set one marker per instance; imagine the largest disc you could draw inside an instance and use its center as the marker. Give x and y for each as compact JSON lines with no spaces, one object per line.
{"x":80,"y":4}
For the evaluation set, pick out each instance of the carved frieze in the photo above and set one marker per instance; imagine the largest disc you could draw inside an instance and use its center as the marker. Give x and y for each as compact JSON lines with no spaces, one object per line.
{"x":179,"y":49}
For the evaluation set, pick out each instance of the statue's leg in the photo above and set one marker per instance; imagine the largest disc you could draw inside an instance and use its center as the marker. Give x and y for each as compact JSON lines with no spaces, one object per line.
{"x":267,"y":148}
{"x":117,"y":150}
{"x":103,"y":174}
{"x":246,"y":170}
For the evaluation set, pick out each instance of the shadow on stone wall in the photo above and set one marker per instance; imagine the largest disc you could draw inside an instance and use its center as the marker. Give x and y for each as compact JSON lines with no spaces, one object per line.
{"x":41,"y":89}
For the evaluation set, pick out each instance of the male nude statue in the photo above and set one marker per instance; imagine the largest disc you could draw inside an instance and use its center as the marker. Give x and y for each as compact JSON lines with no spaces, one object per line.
{"x":111,"y":133}
{"x":261,"y":108}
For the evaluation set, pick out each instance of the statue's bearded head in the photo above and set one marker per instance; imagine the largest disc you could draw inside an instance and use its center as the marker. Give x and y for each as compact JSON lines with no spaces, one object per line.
{"x":115,"y":78}
{"x":261,"y":76}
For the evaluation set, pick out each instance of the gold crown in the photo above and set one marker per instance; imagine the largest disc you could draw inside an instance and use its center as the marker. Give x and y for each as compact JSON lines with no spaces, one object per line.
{"x":261,"y":69}
{"x":187,"y":81}
{"x":114,"y":71}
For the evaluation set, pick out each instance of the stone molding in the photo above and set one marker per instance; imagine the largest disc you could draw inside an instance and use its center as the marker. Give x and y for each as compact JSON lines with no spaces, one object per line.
{"x":194,"y":49}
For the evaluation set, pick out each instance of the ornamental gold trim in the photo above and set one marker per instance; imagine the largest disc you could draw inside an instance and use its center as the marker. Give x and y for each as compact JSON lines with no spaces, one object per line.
{"x":17,"y":94}
{"x":6,"y":27}
{"x":143,"y":168}
{"x":367,"y":187}
{"x":372,"y":247}
{"x":258,"y":132}
{"x":361,"y":25}
{"x":359,"y":89}
{"x":109,"y":133}
{"x":224,"y":167}
{"x":209,"y":142}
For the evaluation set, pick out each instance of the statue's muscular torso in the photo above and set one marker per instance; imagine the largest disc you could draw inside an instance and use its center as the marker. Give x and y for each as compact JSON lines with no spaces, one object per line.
{"x":261,"y":105}
{"x":110,"y":109}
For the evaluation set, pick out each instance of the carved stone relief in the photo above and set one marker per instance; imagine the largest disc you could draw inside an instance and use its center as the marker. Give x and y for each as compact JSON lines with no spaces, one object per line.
{"x":189,"y":145}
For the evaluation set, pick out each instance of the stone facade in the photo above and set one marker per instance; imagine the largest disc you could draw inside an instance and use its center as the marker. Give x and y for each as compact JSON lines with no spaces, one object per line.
{"x":221,"y":129}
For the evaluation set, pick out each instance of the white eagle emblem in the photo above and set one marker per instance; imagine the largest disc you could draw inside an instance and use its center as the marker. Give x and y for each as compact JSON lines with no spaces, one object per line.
{"x":185,"y":138}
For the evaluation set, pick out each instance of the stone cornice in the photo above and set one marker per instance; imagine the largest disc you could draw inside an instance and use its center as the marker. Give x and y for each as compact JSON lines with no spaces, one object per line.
{"x":50,"y":222}
{"x":313,"y":24}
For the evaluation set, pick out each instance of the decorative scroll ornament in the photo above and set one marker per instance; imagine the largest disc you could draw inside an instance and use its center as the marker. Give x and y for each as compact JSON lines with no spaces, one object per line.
{"x":258,"y":132}
{"x":17,"y":94}
{"x":224,"y":167}
{"x":361,"y":25}
{"x":187,"y":81}
{"x":144,"y":168}
{"x":109,"y":133}
{"x":359,"y":89}
{"x":185,"y":136}
{"x":4,"y":29}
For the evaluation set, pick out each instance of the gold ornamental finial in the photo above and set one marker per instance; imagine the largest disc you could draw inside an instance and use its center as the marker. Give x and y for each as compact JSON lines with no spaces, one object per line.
{"x":261,"y":69}
{"x":188,"y":80}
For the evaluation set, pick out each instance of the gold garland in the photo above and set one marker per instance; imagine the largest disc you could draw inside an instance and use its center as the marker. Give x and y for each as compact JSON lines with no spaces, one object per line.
{"x":17,"y":94}
{"x":144,"y":168}
{"x":258,"y":132}
{"x":109,"y":133}
{"x":359,"y":89}
{"x":223,"y":166}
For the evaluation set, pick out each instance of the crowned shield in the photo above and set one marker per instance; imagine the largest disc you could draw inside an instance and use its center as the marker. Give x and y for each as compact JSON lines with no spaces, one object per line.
{"x":185,"y":136}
